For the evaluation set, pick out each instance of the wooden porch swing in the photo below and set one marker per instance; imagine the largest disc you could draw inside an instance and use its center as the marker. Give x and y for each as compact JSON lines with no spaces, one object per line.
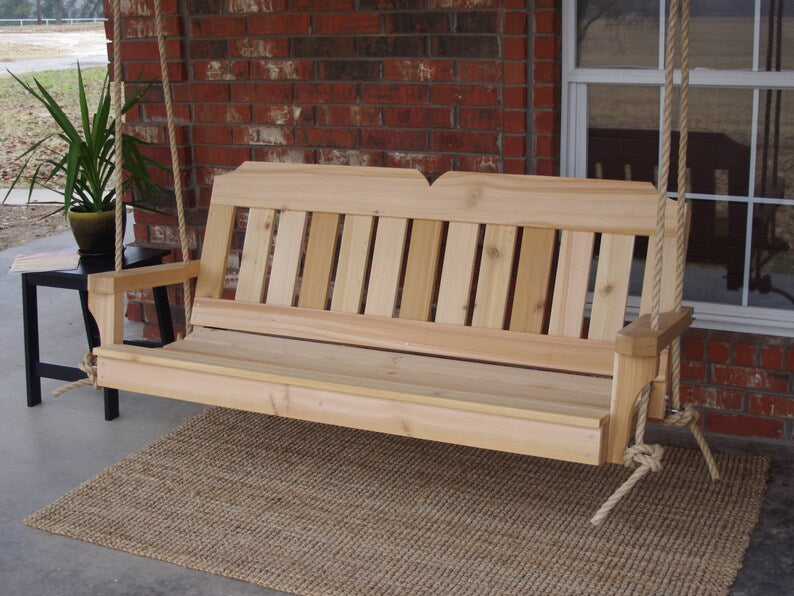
{"x":368,"y":298}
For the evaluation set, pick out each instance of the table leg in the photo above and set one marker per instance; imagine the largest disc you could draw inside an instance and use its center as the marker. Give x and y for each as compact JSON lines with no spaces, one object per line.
{"x":30,"y":318}
{"x":111,"y":396}
{"x":163,"y":310}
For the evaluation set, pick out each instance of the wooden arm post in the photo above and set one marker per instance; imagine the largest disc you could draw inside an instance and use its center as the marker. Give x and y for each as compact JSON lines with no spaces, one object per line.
{"x":630,"y":375}
{"x":106,"y":293}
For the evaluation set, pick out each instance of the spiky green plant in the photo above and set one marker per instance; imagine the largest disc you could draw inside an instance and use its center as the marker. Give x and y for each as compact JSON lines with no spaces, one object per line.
{"x":89,"y":156}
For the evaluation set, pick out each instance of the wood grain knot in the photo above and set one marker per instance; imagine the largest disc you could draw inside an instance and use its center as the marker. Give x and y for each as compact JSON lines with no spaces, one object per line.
{"x":493,"y":252}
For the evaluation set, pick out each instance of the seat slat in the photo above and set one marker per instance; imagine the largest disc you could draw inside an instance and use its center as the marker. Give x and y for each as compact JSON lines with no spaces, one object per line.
{"x":286,"y":258}
{"x":215,"y":252}
{"x":457,"y":273}
{"x":570,"y":285}
{"x":532,"y":280}
{"x":256,"y":251}
{"x":387,"y":259}
{"x":319,"y":260}
{"x":611,"y":286}
{"x":421,"y":337}
{"x":352,"y":265}
{"x":420,"y":270}
{"x":493,"y":285}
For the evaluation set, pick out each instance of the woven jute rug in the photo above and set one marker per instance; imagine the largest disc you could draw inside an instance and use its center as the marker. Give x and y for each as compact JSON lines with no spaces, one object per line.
{"x":315,"y":509}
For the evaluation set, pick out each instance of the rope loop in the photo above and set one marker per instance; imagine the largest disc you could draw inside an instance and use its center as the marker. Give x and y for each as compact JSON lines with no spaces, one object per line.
{"x":643,"y":454}
{"x":689,"y":415}
{"x":88,"y":366}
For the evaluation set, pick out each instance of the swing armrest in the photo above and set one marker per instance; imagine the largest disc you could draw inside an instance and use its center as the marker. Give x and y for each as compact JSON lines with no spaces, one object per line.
{"x":114,"y":282}
{"x":639,"y":339}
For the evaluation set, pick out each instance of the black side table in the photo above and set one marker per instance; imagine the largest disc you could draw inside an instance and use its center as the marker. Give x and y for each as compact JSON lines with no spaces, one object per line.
{"x":77,"y":279}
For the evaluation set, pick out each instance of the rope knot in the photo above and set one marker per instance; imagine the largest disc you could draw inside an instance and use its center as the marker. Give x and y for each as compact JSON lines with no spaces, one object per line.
{"x":689,"y":415}
{"x":88,"y":366}
{"x":649,"y":456}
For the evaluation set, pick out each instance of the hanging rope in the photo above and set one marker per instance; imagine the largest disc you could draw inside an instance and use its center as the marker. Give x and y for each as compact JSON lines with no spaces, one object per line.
{"x":88,"y":363}
{"x":175,"y":165}
{"x":648,"y":458}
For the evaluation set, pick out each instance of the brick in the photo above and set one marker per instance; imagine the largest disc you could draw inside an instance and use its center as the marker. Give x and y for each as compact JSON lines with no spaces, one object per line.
{"x":391,"y":4}
{"x":411,"y":140}
{"x":134,"y":311}
{"x":514,"y":146}
{"x":465,"y":46}
{"x":141,"y":232}
{"x":261,"y":92}
{"x":772,"y":405}
{"x":514,"y":166}
{"x":390,"y":46}
{"x":477,"y":22}
{"x":222,"y":112}
{"x":156,"y":113}
{"x":150,"y":71}
{"x":349,"y":115}
{"x":466,"y":95}
{"x":306,"y":136}
{"x":515,"y":73}
{"x":326,"y":47}
{"x":546,"y":122}
{"x":418,"y":70}
{"x":212,"y":134}
{"x":147,"y":50}
{"x":480,"y":163}
{"x":220,"y":155}
{"x":546,"y":48}
{"x":417,"y":22}
{"x":262,"y":135}
{"x":516,"y":122}
{"x":394,"y":94}
{"x":515,"y":98}
{"x":254,"y":6}
{"x":279,"y":24}
{"x":247,"y":47}
{"x":325,"y":92}
{"x":790,"y":359}
{"x":208,"y":48}
{"x":693,"y":371}
{"x":282,"y":70}
{"x":693,"y":346}
{"x":463,"y":3}
{"x":545,"y":96}
{"x":206,"y":175}
{"x":515,"y":23}
{"x":334,"y":24}
{"x":547,"y":145}
{"x":546,"y":167}
{"x":349,"y":157}
{"x":486,"y":71}
{"x":467,"y":142}
{"x":349,"y":70}
{"x":223,"y":27}
{"x":719,"y":348}
{"x":546,"y":22}
{"x":282,"y":114}
{"x":745,"y":426}
{"x":204,"y":7}
{"x":712,"y":397}
{"x":744,"y":352}
{"x":430,"y":164}
{"x":282,"y":155}
{"x":515,"y":48}
{"x":220,"y":70}
{"x":189,"y":92}
{"x":480,"y":119}
{"x":314,"y":5}
{"x":751,"y":378}
{"x":414,"y":117}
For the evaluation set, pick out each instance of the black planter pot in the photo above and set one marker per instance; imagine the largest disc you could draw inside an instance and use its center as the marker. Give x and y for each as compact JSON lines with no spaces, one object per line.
{"x":95,"y":232}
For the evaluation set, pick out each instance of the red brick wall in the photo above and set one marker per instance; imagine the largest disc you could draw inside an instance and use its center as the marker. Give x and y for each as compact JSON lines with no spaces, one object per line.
{"x":432,"y":84}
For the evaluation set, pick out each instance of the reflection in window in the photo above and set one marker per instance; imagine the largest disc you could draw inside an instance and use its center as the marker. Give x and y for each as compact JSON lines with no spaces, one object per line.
{"x":617,"y":33}
{"x":774,"y":177}
{"x":772,"y":257}
{"x":777,"y":35}
{"x":721,"y":34}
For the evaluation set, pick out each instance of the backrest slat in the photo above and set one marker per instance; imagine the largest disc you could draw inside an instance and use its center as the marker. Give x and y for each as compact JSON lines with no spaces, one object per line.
{"x":256,"y":251}
{"x":319,"y":261}
{"x":215,"y":251}
{"x":493,"y":285}
{"x":611,"y":286}
{"x":570,"y":285}
{"x":286,"y":258}
{"x":352,"y":265}
{"x":532,"y":280}
{"x":420,"y":270}
{"x":387,"y":259}
{"x":457,"y":273}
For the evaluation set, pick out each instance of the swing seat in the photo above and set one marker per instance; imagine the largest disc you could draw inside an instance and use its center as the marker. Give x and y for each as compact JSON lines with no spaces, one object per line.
{"x":463,"y":311}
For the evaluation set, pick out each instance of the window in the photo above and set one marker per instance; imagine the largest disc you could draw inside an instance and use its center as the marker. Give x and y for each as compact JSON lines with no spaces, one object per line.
{"x":740,"y":174}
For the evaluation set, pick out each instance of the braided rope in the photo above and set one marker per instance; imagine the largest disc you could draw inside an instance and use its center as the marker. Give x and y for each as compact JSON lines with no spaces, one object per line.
{"x":119,"y":170}
{"x":88,"y":366}
{"x":175,"y":165}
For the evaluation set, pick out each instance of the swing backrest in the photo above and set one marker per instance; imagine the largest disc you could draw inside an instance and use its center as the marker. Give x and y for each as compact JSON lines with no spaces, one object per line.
{"x":478,"y":251}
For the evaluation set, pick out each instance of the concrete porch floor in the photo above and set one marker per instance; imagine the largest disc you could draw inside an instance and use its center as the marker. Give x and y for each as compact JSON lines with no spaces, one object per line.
{"x":48,"y":450}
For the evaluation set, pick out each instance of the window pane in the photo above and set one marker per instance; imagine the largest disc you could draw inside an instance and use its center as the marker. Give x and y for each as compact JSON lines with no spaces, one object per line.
{"x":623,"y":132}
{"x":720,"y":127}
{"x":721,"y":34}
{"x":776,"y":51}
{"x":775,"y":158}
{"x":715,"y":257}
{"x":772,"y":262}
{"x":617,"y":33}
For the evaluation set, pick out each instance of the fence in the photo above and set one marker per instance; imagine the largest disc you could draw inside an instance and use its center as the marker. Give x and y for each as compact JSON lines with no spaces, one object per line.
{"x":21,"y":22}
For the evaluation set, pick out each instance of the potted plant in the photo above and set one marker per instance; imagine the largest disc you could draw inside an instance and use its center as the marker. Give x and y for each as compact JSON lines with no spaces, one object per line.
{"x":82,"y":167}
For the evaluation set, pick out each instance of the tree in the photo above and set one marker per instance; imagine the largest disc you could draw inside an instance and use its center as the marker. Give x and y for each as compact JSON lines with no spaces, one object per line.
{"x":15,"y":9}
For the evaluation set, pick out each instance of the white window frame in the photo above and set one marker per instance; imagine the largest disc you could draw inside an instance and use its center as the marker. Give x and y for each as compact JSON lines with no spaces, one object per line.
{"x":573,"y":153}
